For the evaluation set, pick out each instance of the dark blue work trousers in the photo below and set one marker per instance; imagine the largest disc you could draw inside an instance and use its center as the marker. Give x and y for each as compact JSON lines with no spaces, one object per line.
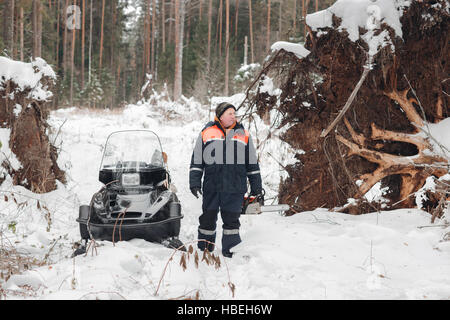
{"x":230,"y":206}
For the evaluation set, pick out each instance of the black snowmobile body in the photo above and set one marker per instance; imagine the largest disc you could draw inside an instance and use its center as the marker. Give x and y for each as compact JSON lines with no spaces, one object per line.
{"x":136,"y":200}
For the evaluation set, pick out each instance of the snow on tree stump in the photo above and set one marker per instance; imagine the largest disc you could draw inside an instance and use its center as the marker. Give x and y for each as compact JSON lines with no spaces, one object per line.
{"x":24,"y":89}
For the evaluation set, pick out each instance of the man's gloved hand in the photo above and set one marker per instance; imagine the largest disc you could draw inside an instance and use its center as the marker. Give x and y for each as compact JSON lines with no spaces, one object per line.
{"x":259,"y":195}
{"x":195,"y":191}
{"x":255,"y":193}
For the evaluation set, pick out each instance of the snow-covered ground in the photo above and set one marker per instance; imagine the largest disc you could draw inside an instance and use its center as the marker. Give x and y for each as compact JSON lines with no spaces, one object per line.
{"x":312,"y":255}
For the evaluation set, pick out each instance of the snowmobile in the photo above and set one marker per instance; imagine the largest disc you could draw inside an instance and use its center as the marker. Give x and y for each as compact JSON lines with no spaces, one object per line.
{"x":137,"y":199}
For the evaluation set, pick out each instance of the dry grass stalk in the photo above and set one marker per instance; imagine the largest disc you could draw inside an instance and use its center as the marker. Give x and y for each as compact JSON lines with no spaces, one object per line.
{"x":208,"y":257}
{"x":13,"y":262}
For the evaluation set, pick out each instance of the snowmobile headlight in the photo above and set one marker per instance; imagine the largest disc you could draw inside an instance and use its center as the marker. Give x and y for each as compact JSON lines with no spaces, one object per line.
{"x":130,"y":179}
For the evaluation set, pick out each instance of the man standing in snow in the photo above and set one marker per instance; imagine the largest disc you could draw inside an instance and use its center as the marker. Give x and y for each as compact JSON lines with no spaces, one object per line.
{"x":225,"y":154}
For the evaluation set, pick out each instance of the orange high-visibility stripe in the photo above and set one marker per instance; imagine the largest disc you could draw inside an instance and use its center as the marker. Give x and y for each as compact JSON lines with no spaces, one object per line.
{"x":241,"y":137}
{"x":212,"y":133}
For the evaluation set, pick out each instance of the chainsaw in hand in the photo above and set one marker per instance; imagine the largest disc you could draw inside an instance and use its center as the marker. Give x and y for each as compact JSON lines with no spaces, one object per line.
{"x":255,"y":205}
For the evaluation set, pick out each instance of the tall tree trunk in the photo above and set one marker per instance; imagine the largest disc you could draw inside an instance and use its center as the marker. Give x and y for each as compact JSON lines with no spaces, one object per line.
{"x":268,"y":27}
{"x":118,"y":78}
{"x":220,"y":27}
{"x":72,"y":56}
{"x":90,"y":41}
{"x":57,"y":35}
{"x":209,"y":34}
{"x":141,"y":73}
{"x":147,"y":39}
{"x":177,"y":78}
{"x":15,"y":32}
{"x":188,"y":29}
{"x":113,"y":46}
{"x":90,"y":46}
{"x":171,"y":16}
{"x":83,"y":31}
{"x":236,"y":19}
{"x":163,"y":25}
{"x":113,"y":34}
{"x":251,"y":30}
{"x":294,"y":18}
{"x":21,"y":34}
{"x":37,"y":29}
{"x":305,"y":4}
{"x":101,"y":35}
{"x":217,"y":31}
{"x":179,"y":30}
{"x":8,"y":26}
{"x":154,"y":15}
{"x":279,"y":21}
{"x":65,"y":38}
{"x":227,"y":43}
{"x":303,"y":16}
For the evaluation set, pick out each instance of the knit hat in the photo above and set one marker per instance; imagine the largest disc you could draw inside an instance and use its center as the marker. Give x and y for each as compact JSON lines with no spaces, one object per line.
{"x":222,"y":107}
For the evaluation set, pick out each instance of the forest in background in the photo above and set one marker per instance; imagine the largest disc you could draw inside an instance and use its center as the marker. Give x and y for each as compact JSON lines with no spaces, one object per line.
{"x":105,"y":52}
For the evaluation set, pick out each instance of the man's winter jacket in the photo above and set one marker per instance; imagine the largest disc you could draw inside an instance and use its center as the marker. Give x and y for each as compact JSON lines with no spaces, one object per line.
{"x":226,"y":158}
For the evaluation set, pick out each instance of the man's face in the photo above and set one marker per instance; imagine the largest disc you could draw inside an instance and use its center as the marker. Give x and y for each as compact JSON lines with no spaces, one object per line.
{"x":228,"y":117}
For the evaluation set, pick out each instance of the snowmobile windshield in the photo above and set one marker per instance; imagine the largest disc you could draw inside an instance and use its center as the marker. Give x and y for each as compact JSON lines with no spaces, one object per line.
{"x":132,"y":150}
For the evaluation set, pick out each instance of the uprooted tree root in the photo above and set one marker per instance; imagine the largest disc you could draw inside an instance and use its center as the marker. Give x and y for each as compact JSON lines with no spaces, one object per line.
{"x":440,"y":195}
{"x":378,"y":139}
{"x":29,"y":140}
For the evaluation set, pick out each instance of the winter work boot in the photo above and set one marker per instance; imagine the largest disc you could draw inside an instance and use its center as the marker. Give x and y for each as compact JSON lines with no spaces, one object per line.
{"x":230,"y":239}
{"x":227,"y":254}
{"x":209,"y":237}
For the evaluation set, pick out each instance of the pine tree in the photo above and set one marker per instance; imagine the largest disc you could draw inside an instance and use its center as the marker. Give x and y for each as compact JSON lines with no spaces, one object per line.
{"x":227,"y":44}
{"x":101,"y":35}
{"x":179,"y":31}
{"x":8,"y":26}
{"x":251,"y":30}
{"x":37,"y":29}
